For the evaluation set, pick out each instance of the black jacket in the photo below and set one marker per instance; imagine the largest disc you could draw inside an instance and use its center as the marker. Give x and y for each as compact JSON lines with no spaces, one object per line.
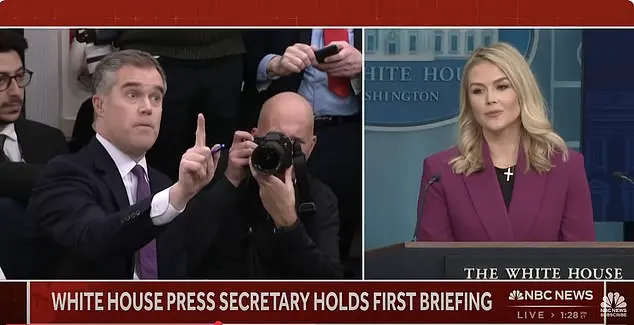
{"x":88,"y":228}
{"x":39,"y":143}
{"x":230,"y":235}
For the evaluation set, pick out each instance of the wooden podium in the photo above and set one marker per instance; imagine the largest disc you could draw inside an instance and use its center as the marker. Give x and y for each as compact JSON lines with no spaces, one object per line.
{"x":448,"y":260}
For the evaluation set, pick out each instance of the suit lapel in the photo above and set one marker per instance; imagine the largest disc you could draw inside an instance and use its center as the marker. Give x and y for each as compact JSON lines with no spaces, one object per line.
{"x":26,"y":142}
{"x":155,"y":187}
{"x":486,"y":195}
{"x":110,"y":174}
{"x":528,"y":192}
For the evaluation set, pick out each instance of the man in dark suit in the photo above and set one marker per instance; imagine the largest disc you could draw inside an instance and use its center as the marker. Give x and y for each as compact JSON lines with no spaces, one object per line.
{"x":205,"y":68}
{"x":249,"y":225}
{"x":284,"y":60}
{"x":25,"y":146}
{"x":104,"y":213}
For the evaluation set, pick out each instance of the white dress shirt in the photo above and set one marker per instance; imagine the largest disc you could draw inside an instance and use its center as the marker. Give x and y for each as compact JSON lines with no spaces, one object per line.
{"x":11,"y":147}
{"x":162,"y":212}
{"x":2,"y":277}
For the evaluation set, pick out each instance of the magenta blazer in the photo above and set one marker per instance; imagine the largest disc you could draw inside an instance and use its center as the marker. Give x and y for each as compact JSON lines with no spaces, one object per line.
{"x":555,"y":206}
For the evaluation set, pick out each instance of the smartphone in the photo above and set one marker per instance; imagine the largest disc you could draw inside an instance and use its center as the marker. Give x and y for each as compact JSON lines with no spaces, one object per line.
{"x":325,"y":52}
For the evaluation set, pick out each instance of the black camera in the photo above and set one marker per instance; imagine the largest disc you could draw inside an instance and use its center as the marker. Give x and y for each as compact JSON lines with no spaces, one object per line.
{"x":274,"y":153}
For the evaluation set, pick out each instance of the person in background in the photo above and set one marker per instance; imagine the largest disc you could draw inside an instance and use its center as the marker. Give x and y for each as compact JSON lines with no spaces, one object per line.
{"x":102,"y":212}
{"x":249,"y":224}
{"x":84,"y":128}
{"x":88,"y":48}
{"x":204,"y":68}
{"x":284,"y":60}
{"x":511,"y":177}
{"x":25,"y":146}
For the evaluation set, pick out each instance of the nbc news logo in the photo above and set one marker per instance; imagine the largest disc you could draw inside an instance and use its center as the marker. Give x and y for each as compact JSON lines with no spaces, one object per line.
{"x":613,"y":305}
{"x":516,"y":295}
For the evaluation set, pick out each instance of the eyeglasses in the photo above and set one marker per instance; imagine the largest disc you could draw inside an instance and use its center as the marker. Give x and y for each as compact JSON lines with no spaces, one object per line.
{"x":22,"y":79}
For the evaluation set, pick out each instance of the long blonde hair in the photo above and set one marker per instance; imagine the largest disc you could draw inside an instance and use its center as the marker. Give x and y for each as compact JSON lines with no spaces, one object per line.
{"x":538,"y":139}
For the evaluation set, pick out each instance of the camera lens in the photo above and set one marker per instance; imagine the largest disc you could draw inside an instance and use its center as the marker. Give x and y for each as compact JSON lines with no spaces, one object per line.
{"x":267,"y":158}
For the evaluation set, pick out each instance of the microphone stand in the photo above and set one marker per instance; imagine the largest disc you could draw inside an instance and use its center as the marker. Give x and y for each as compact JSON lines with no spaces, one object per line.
{"x":628,"y":226}
{"x":430,"y":182}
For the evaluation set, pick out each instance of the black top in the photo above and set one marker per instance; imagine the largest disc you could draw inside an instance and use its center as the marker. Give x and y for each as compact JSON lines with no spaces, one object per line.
{"x":232,"y":237}
{"x":184,"y":43}
{"x":506,"y":177}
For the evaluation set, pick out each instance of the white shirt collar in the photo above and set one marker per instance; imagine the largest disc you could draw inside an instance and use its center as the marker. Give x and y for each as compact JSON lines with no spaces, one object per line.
{"x":9,"y":131}
{"x":124,"y":162}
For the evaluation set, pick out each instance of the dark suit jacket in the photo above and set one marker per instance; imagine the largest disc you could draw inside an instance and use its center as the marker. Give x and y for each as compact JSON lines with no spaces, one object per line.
{"x":39,"y":143}
{"x":82,"y":209}
{"x":230,"y":235}
{"x":554,"y":206}
{"x":259,"y":43}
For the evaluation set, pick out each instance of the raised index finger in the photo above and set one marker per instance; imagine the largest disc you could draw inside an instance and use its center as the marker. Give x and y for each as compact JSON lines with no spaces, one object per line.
{"x":201,"y":136}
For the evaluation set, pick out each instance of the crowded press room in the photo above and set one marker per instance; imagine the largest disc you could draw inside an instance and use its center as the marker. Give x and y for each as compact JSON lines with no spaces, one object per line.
{"x":144,"y":154}
{"x":514,"y":150}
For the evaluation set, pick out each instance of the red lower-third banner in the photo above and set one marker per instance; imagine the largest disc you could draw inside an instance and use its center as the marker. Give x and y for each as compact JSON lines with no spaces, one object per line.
{"x":318,"y":302}
{"x":12,"y":302}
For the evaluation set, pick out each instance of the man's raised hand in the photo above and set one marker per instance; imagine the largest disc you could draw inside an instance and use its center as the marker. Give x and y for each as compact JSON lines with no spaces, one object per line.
{"x":197,"y":167}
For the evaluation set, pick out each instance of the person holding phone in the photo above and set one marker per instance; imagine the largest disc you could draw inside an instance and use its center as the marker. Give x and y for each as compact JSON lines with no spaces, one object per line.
{"x":285,"y":60}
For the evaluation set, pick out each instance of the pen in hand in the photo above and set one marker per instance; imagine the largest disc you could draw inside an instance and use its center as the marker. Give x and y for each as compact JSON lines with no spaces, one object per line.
{"x":218,"y":148}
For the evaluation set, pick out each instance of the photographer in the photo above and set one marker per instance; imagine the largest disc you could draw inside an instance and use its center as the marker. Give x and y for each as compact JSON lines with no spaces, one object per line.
{"x":281,"y":60}
{"x":251,"y":222}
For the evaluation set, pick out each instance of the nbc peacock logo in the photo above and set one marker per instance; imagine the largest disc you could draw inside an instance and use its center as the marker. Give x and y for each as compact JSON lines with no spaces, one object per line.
{"x":516,"y":295}
{"x":613,"y":305}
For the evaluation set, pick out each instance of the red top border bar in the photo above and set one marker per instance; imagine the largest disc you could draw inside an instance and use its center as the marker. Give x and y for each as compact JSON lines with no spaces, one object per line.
{"x":359,"y":13}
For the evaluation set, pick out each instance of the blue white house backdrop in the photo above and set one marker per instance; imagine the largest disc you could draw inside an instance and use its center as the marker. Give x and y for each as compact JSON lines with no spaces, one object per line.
{"x":412,"y":79}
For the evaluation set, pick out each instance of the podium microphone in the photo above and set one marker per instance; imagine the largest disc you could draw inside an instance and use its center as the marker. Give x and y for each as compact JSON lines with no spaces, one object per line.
{"x":430,"y":182}
{"x":627,"y":225}
{"x":623,"y":177}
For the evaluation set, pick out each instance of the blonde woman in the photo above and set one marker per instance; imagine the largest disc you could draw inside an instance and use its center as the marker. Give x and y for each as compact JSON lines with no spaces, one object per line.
{"x":511,"y":177}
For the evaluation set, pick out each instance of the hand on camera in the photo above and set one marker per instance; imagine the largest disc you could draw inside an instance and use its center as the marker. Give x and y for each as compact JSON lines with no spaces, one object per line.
{"x":197,"y":168}
{"x":277,"y":196}
{"x":295,"y":59}
{"x":239,"y":155}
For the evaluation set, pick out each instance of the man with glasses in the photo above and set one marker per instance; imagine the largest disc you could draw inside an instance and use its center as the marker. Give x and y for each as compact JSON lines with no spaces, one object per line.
{"x":25,"y":146}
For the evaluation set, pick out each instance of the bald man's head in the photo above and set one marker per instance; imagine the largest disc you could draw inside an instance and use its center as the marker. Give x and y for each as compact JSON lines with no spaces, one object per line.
{"x":290,"y":114}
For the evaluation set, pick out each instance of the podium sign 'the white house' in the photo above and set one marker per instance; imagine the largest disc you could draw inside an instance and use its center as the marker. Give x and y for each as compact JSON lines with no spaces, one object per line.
{"x":412,"y":76}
